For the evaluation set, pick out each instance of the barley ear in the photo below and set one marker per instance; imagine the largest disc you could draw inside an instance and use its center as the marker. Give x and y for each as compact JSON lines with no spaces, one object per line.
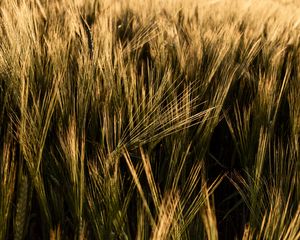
{"x":89,"y":36}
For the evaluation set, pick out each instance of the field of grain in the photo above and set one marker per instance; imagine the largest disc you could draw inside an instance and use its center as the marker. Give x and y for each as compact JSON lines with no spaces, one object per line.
{"x":149,"y":119}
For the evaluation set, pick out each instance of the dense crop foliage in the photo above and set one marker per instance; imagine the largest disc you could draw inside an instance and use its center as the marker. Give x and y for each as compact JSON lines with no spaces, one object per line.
{"x":149,"y":119}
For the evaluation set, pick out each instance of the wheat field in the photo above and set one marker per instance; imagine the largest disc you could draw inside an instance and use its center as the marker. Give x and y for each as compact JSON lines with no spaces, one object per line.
{"x":149,"y":119}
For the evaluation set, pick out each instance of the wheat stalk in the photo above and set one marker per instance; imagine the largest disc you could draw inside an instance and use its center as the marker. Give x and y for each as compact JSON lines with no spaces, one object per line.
{"x":20,"y":216}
